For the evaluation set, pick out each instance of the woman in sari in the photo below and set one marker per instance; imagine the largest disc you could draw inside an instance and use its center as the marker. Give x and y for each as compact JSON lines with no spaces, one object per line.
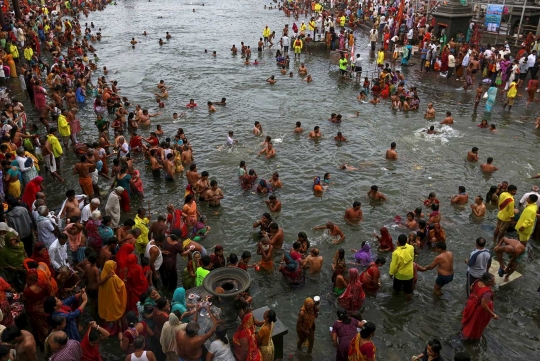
{"x":264,"y":337}
{"x":11,"y":261}
{"x":112,"y":298}
{"x":123,"y":179}
{"x":407,"y":52}
{"x":217,"y":259}
{"x":6,"y":320}
{"x":168,"y":272}
{"x":121,"y":259}
{"x":362,"y":348}
{"x":305,"y":325}
{"x":343,"y":331}
{"x":190,"y":210}
{"x":168,"y":337}
{"x":385,"y":240}
{"x":135,"y":281}
{"x":179,"y":305}
{"x":30,"y":191}
{"x":245,"y":340}
{"x":292,"y":270}
{"x":92,"y":231}
{"x":353,"y":297}
{"x":386,"y":39}
{"x":363,"y":255}
{"x":40,"y":254}
{"x":492,"y":95}
{"x":11,"y":177}
{"x":33,"y":297}
{"x":370,"y":277}
{"x":479,"y":308}
{"x":444,"y":59}
{"x":188,"y":276}
{"x":46,"y":275}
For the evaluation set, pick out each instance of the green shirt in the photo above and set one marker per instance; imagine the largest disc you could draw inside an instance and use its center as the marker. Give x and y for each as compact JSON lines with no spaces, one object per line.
{"x":201,"y":274}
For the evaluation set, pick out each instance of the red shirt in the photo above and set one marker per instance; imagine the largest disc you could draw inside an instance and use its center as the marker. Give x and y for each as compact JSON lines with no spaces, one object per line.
{"x":89,"y":352}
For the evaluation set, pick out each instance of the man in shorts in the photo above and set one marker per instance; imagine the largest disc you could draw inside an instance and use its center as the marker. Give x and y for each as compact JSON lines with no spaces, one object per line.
{"x":517,"y":252}
{"x":444,"y":262}
{"x":505,"y":216}
{"x":402,"y":267}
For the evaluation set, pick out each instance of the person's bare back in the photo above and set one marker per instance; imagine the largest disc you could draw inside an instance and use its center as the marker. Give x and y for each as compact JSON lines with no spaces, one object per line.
{"x":92,"y":276}
{"x":313,"y":263}
{"x":26,"y":349}
{"x":445,"y":263}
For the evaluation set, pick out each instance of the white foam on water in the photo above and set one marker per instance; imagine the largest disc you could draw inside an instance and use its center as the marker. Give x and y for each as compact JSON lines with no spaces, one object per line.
{"x":278,"y":140}
{"x":446,"y":133}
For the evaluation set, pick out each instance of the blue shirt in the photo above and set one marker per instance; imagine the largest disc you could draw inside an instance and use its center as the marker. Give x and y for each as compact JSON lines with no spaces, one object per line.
{"x":71,"y":329}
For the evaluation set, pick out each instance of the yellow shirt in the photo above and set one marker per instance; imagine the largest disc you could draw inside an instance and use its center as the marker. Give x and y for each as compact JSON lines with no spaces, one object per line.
{"x":380,"y":58}
{"x":512,"y":90}
{"x":507,"y":213}
{"x":142,"y":240}
{"x":402,"y":265}
{"x":303,"y":27}
{"x":63,"y":126}
{"x":266,"y":32}
{"x":527,"y":220}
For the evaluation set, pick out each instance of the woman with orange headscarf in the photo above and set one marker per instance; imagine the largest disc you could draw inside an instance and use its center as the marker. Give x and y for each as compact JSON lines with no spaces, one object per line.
{"x":136,"y":282}
{"x":112,"y":297}
{"x":34,"y":295}
{"x":353,"y":297}
{"x":305,"y":325}
{"x":245,"y":340}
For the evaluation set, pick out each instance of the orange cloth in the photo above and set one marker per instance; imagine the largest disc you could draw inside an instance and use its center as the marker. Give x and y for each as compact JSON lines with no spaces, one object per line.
{"x":86,"y":185}
{"x":112,"y":299}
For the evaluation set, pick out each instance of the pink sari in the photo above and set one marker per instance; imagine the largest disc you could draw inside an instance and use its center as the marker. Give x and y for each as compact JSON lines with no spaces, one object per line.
{"x":353,"y":297}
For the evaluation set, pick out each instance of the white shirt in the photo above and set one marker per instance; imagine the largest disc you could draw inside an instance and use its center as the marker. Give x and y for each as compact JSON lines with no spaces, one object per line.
{"x":451,"y":61}
{"x":58,"y":254}
{"x":230,"y":141}
{"x":159,"y":259}
{"x":358,"y":62}
{"x":410,"y":34}
{"x":124,"y":149}
{"x":382,"y":20}
{"x":285,"y":41}
{"x":531,"y":59}
{"x":86,"y":213}
{"x":523,"y":200}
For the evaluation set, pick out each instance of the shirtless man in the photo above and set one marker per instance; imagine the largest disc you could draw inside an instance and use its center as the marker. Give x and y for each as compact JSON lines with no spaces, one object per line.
{"x":448,"y":120}
{"x":515,"y":249}
{"x":265,"y":250}
{"x":375,"y":195}
{"x":488,"y":167}
{"x":187,"y":155}
{"x":154,"y":163}
{"x":273,"y":203}
{"x":333,"y":231}
{"x":472,"y":155}
{"x":214,"y":195}
{"x":276,"y":235}
{"x":354,"y":215}
{"x":211,"y":107}
{"x":144,"y":117}
{"x":375,"y":100}
{"x":313,"y":262}
{"x":275,"y":182}
{"x":478,"y":207}
{"x":430,"y":112}
{"x":190,"y":343}
{"x":71,"y":208}
{"x":48,"y":156}
{"x":162,"y":85}
{"x":302,"y":70}
{"x":391,"y":154}
{"x":22,"y":341}
{"x":298,"y":127}
{"x":105,"y":254}
{"x":444,"y":262}
{"x":93,"y":281}
{"x":71,"y":99}
{"x":164,"y":94}
{"x":340,"y":138}
{"x":82,"y":168}
{"x":315,"y":133}
{"x":169,"y":167}
{"x":202,"y":186}
{"x":269,"y":150}
{"x":192,"y":175}
{"x":157,"y":228}
{"x":461,"y":198}
{"x":478,"y":97}
{"x":257,"y":128}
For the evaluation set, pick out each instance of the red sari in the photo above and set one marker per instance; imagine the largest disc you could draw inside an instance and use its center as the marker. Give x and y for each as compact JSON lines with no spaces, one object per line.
{"x":353,"y":297}
{"x":475,"y":318}
{"x":369,"y":277}
{"x":386,"y":41}
{"x":136,"y":283}
{"x":30,"y":191}
{"x":121,"y":258}
{"x":247,"y":331}
{"x":444,"y":61}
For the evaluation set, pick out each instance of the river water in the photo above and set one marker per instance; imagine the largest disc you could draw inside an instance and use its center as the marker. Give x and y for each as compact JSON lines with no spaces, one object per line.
{"x":434,"y":163}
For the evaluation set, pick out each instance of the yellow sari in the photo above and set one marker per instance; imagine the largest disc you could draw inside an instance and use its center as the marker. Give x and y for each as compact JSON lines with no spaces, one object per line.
{"x":112,"y":298}
{"x":267,"y":351}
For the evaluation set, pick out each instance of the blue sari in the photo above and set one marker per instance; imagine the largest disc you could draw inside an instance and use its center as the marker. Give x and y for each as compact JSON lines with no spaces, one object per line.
{"x":492,"y":94}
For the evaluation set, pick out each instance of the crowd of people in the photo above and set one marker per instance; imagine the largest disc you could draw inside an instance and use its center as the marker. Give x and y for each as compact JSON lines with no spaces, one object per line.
{"x":93,"y":259}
